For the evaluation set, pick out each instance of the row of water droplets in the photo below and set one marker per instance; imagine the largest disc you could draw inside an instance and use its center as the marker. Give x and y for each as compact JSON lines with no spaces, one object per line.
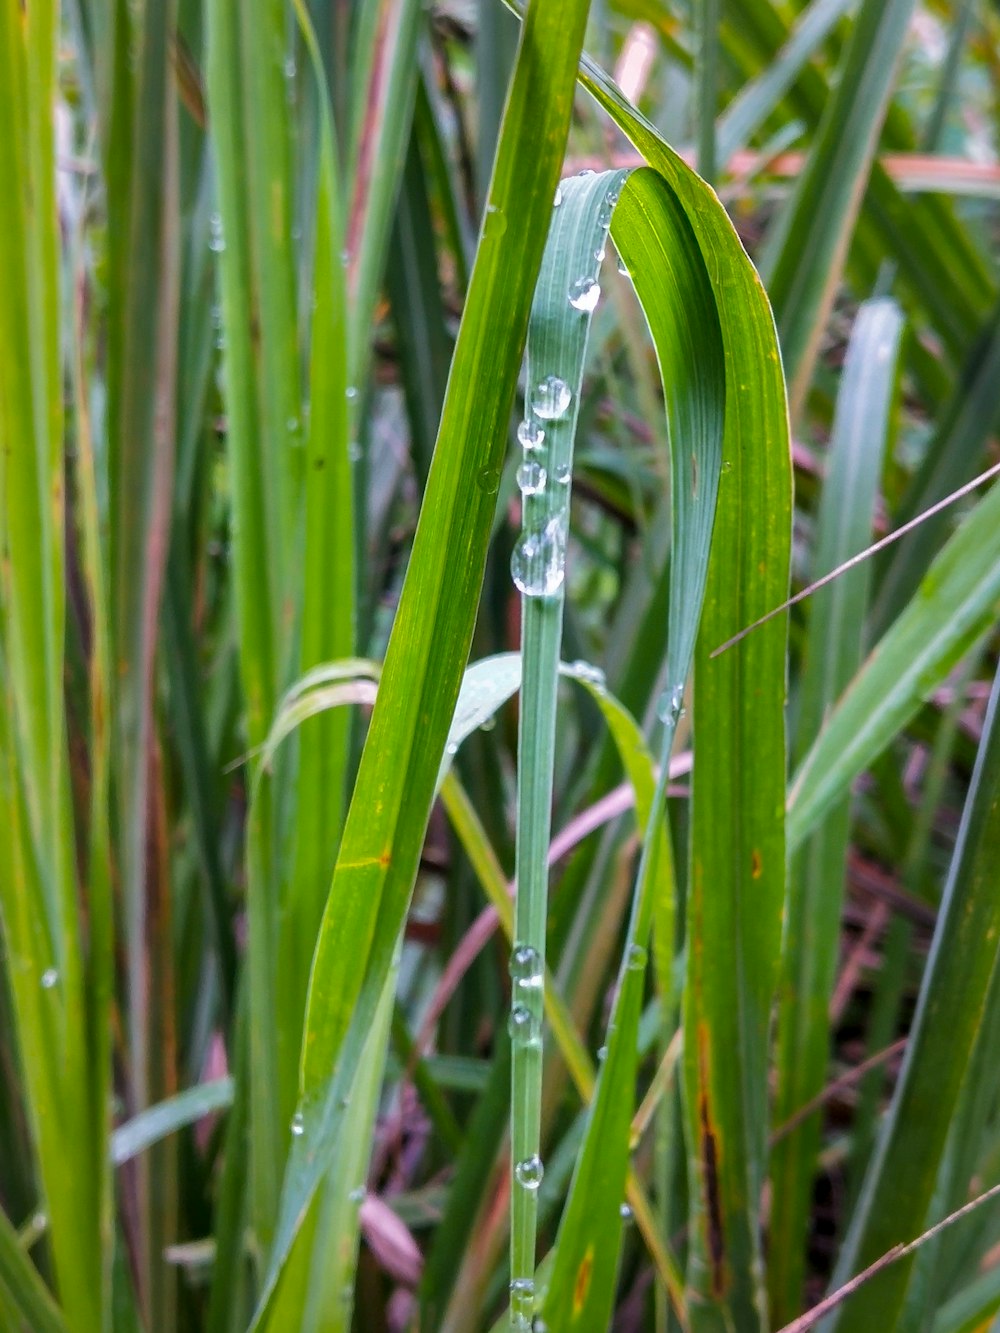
{"x":538,"y":571}
{"x":538,"y":562}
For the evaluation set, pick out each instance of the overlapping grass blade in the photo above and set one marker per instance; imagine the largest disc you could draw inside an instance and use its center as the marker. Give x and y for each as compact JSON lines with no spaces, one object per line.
{"x":864,"y":412}
{"x":804,"y":256}
{"x":383,"y":833}
{"x":736,"y":888}
{"x":659,"y":249}
{"x":61,"y":1026}
{"x":901,"y":1178}
{"x":954,"y":606}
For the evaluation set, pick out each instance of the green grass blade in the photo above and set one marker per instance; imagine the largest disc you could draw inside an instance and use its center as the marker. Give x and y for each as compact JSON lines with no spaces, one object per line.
{"x":166,"y":1118}
{"x":966,"y":423}
{"x":433,"y":625}
{"x":61,"y":1030}
{"x":739,"y":773}
{"x":864,"y":407}
{"x":805,"y":255}
{"x":565,"y":297}
{"x":900,"y":1181}
{"x":657,"y":245}
{"x":955,"y":604}
{"x":28,"y":1293}
{"x":755,"y":102}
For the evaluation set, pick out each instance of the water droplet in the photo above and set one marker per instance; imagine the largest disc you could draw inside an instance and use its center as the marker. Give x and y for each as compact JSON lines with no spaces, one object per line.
{"x":671,"y":705}
{"x":49,"y":978}
{"x":538,"y":564}
{"x":528,"y":1173}
{"x":626,"y":1213}
{"x":531,"y":435}
{"x":451,"y":748}
{"x":614,"y":192}
{"x":526,"y":967}
{"x":558,"y":197}
{"x":488,"y":480}
{"x":589,"y":674}
{"x":551,"y":398}
{"x":298,"y":1124}
{"x":636,"y":959}
{"x":587,"y":171}
{"x":522,"y":1303}
{"x":623,"y":268}
{"x":602,"y":1053}
{"x":531,"y":477}
{"x":599,"y":254}
{"x":351,"y":392}
{"x":522,"y":1024}
{"x":584,"y":294}
{"x":489,"y":724}
{"x":561,"y":473}
{"x":290,"y":67}
{"x":604,"y":216}
{"x":539,"y":1325}
{"x":354,"y":452}
{"x":727,"y":465}
{"x":495,"y":221}
{"x":292,"y":425}
{"x":357,"y":1195}
{"x":216,"y":240}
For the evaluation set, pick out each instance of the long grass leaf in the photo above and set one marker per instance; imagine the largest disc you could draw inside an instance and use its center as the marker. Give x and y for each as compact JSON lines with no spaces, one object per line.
{"x":855,"y":457}
{"x":433,"y":625}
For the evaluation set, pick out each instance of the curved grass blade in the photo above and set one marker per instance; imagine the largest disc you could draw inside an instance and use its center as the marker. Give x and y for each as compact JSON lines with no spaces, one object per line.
{"x":737,"y":884}
{"x":433,"y":627}
{"x":834,"y":649}
{"x":900,"y":1181}
{"x":166,"y":1118}
{"x":659,"y":249}
{"x":955,"y":604}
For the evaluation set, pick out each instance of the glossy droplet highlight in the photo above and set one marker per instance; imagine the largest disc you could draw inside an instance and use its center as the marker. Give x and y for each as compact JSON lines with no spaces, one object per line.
{"x":531,"y":477}
{"x":561,"y":473}
{"x":538,"y":564}
{"x":551,"y":398}
{"x":522,"y":1025}
{"x":216,"y":240}
{"x":584,"y":295}
{"x":590,"y":675}
{"x":531,"y":435}
{"x":298,"y":1124}
{"x":526,"y":968}
{"x":671,"y":705}
{"x":357,"y":1195}
{"x":522,"y":1303}
{"x":636,"y":959}
{"x":626,"y":1213}
{"x":488,"y":480}
{"x":558,"y":197}
{"x":528,"y":1173}
{"x":49,"y":978}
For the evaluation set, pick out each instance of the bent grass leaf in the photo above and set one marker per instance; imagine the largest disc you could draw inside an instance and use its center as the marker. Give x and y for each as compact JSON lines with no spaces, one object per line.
{"x":737,"y":883}
{"x":658,"y":247}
